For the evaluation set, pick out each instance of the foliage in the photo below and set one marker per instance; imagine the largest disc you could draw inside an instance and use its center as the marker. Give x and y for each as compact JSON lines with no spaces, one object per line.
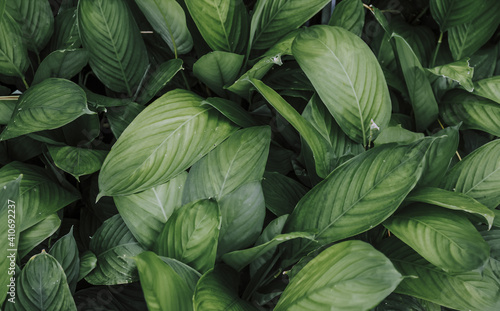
{"x":250,"y":155}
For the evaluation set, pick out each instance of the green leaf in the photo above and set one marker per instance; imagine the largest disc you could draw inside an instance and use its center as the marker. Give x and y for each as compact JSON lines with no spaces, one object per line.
{"x":351,"y":275}
{"x":88,"y":262}
{"x":113,"y":244}
{"x":350,"y":15}
{"x":223,"y":24}
{"x":47,"y":105}
{"x":314,"y":139}
{"x":397,"y":134}
{"x":231,"y":110}
{"x":6,"y":110}
{"x":369,"y":188}
{"x":188,"y":274}
{"x":478,"y":175}
{"x":120,"y":117}
{"x":14,"y":59}
{"x":459,"y":71}
{"x":146,"y":213}
{"x":361,"y":95}
{"x":65,"y":251}
{"x":451,"y":200}
{"x":281,"y":193}
{"x":77,"y":161}
{"x":162,"y":75}
{"x":61,"y":64}
{"x":218,"y":69}
{"x":449,"y":13}
{"x":168,"y":19}
{"x":43,"y":286}
{"x":419,"y":88}
{"x":271,"y":20}
{"x":466,"y":291}
{"x":488,"y":88}
{"x":152,"y":150}
{"x":218,"y":290}
{"x":118,"y":56}
{"x":445,"y":238}
{"x":66,"y":34}
{"x":36,"y":234}
{"x":190,"y":235}
{"x":163,"y":288}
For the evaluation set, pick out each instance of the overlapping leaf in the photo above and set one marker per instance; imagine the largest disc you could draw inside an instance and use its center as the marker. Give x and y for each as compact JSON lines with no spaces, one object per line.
{"x":349,"y":15}
{"x":36,"y":234}
{"x":218,"y":69}
{"x":65,"y":251}
{"x":61,"y":64}
{"x":449,"y":13}
{"x":14,"y":59}
{"x":281,"y":193}
{"x":77,"y":161}
{"x":157,"y":80}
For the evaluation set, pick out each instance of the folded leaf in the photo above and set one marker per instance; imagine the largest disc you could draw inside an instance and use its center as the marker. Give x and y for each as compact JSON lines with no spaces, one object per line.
{"x":218,"y":69}
{"x":459,"y":71}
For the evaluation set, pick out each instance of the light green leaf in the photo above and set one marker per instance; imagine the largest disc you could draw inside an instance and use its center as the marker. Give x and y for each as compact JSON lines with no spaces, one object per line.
{"x":231,"y":110}
{"x":188,"y":274}
{"x":449,"y":13}
{"x":43,"y":286}
{"x":218,"y":290}
{"x":369,"y":188}
{"x":281,"y":193}
{"x":451,"y":200}
{"x":36,"y":234}
{"x":223,"y":23}
{"x":478,"y":175}
{"x":61,"y":64}
{"x":152,"y":149}
{"x":113,"y":244}
{"x":47,"y":105}
{"x":120,"y":117}
{"x":445,"y":238}
{"x":190,"y":235}
{"x":163,"y":288}
{"x":325,"y":54}
{"x":118,"y":56}
{"x":218,"y":69}
{"x":77,"y":161}
{"x":351,"y":275}
{"x":488,"y":88}
{"x":161,"y":76}
{"x":459,"y":71}
{"x":271,"y":20}
{"x":397,"y":134}
{"x":419,"y":88}
{"x":168,"y":19}
{"x":65,"y":251}
{"x":146,"y":213}
{"x":88,"y":261}
{"x":350,"y":15}
{"x":14,"y":59}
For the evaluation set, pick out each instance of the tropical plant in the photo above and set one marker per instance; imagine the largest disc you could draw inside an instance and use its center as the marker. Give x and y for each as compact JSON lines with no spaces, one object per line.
{"x":250,"y":155}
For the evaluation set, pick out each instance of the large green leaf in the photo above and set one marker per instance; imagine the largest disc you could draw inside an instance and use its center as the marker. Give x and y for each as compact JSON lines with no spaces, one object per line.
{"x":66,"y":34}
{"x":351,"y":275}
{"x":443,"y":237}
{"x":114,"y":245}
{"x":222,"y":23}
{"x":368,"y":189}
{"x":281,"y":193}
{"x":36,"y":234}
{"x":188,"y":274}
{"x":65,"y":251}
{"x":158,"y":79}
{"x":271,"y":20}
{"x":47,"y":105}
{"x":43,"y":286}
{"x":466,"y":291}
{"x":168,"y":19}
{"x":190,"y":235}
{"x":488,"y":88}
{"x":14,"y":59}
{"x":77,"y":161}
{"x":478,"y":175}
{"x":218,"y":290}
{"x":459,"y":71}
{"x":232,"y":111}
{"x":350,"y":15}
{"x":218,"y":69}
{"x":117,"y":53}
{"x":163,"y":288}
{"x":146,"y":213}
{"x":449,"y":13}
{"x":61,"y":64}
{"x":166,"y":138}
{"x":360,"y":96}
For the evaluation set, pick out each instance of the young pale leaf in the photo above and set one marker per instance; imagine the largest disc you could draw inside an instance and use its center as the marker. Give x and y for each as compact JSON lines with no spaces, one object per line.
{"x":445,"y":238}
{"x":218,"y":69}
{"x":169,"y":20}
{"x":368,"y":189}
{"x":218,"y":290}
{"x":146,"y":213}
{"x":223,"y":24}
{"x":271,"y":20}
{"x":166,"y":138}
{"x":232,"y":111}
{"x":36,"y":234}
{"x":117,"y":53}
{"x":351,"y":275}
{"x":162,"y":75}
{"x":190,"y":235}
{"x":281,"y":193}
{"x":14,"y":59}
{"x":47,"y":105}
{"x":163,"y":288}
{"x":332,"y":56}
{"x":465,"y":291}
{"x":350,"y":15}
{"x":478,"y":175}
{"x":449,"y":13}
{"x":65,"y":251}
{"x":43,"y":286}
{"x":88,"y":261}
{"x":114,"y":245}
{"x":451,"y":200}
{"x":61,"y":64}
{"x":459,"y":71}
{"x":77,"y":161}
{"x":488,"y":88}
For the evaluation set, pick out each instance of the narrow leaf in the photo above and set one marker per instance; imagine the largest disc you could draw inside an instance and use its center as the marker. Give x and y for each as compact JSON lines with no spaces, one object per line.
{"x":449,"y":13}
{"x":232,"y":111}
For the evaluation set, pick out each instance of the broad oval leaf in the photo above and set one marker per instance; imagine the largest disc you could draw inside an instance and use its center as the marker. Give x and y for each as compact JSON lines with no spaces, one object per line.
{"x":168,"y":19}
{"x":332,"y":56}
{"x":14,"y":59}
{"x":43,"y":286}
{"x":117,"y":53}
{"x":166,"y":138}
{"x":449,"y":13}
{"x":36,"y":234}
{"x":65,"y":251}
{"x":77,"y":161}
{"x":163,"y":288}
{"x":218,"y":69}
{"x":350,"y":15}
{"x":47,"y":105}
{"x":351,"y":275}
{"x":61,"y":64}
{"x":446,"y":239}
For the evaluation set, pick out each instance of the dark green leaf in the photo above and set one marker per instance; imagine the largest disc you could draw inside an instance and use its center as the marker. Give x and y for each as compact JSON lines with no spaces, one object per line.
{"x":120,"y":117}
{"x":65,"y":251}
{"x":281,"y":193}
{"x":61,"y":64}
{"x":188,"y":274}
{"x":449,"y":13}
{"x":14,"y":59}
{"x":77,"y":161}
{"x":66,"y":34}
{"x":397,"y":134}
{"x":162,"y":75}
{"x":88,"y":261}
{"x":350,"y":15}
{"x":6,"y":110}
{"x":231,"y":110}
{"x":488,"y":88}
{"x":218,"y":69}
{"x":36,"y":234}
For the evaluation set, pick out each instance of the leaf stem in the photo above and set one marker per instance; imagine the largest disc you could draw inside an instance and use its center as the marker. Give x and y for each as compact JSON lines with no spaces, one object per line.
{"x":433,"y":62}
{"x":25,"y":83}
{"x":185,"y":80}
